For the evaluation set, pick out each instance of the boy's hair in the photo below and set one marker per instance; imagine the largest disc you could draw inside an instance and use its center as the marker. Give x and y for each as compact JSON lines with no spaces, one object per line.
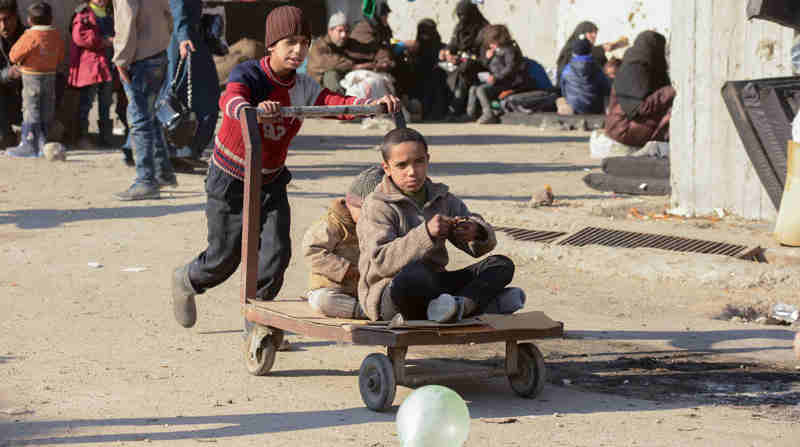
{"x":498,"y":35}
{"x":399,"y":136}
{"x":40,"y":13}
{"x":363,"y":185}
{"x":8,"y":6}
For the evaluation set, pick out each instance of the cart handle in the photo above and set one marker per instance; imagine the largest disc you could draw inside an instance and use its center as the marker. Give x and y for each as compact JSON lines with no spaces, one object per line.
{"x":329,"y":111}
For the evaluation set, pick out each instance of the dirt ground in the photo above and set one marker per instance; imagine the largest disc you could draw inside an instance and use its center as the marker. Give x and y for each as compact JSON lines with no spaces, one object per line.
{"x":92,"y":356}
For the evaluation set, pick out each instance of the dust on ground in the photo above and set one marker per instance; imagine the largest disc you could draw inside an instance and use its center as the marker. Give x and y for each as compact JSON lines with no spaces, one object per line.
{"x":91,"y":355}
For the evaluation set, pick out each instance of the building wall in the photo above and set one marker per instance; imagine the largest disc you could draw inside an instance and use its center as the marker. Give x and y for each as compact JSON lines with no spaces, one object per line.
{"x":712,"y":42}
{"x":615,"y":18}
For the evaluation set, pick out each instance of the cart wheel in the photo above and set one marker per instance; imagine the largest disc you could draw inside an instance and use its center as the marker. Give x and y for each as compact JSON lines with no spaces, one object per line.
{"x":529,"y":381}
{"x":377,"y":382}
{"x":259,"y":361}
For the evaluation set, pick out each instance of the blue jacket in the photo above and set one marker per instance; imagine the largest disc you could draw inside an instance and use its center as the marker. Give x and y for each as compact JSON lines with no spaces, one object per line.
{"x":584,"y":85}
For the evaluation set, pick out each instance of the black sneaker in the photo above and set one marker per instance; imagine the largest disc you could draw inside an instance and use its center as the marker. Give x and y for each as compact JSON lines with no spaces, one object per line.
{"x":170,"y":181}
{"x":138,"y":191}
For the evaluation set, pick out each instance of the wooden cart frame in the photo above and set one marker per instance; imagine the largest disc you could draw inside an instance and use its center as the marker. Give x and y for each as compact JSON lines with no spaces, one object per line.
{"x":379,"y":374}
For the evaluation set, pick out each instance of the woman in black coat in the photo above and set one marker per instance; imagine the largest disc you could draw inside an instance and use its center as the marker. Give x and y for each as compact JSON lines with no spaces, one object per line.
{"x":467,"y":41}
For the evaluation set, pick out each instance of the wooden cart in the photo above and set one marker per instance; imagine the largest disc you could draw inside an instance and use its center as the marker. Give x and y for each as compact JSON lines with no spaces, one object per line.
{"x":379,"y":374}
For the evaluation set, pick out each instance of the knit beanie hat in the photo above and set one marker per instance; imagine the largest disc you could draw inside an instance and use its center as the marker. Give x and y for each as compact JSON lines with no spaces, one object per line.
{"x":286,"y":21}
{"x":337,"y":19}
{"x":582,"y":47}
{"x":363,"y":184}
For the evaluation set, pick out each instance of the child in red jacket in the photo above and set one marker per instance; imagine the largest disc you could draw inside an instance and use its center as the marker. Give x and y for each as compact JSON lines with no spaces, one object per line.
{"x":38,"y":53}
{"x":90,"y":63}
{"x":270,"y":83}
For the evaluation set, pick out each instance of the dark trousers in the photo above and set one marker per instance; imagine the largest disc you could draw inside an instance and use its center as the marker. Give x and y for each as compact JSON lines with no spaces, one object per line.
{"x":417,"y":284}
{"x":224,"y":212}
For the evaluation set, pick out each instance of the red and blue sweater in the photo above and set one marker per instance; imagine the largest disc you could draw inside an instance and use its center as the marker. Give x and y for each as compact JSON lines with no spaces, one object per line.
{"x":249,"y":84}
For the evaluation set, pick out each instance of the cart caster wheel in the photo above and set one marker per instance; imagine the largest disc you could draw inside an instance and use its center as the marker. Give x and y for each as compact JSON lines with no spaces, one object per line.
{"x":377,"y":382}
{"x":529,"y":381}
{"x":259,"y":349}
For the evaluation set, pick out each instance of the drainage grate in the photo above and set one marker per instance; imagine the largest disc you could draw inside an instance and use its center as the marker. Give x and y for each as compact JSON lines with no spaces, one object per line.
{"x":521,"y":234}
{"x":629,"y":239}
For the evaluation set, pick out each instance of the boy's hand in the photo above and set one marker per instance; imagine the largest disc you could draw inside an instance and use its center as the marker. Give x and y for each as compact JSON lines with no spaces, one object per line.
{"x":123,"y":74}
{"x":392,"y":103}
{"x":439,"y":226}
{"x":185,"y":47}
{"x":491,"y":80}
{"x":467,"y":231}
{"x":13,"y":72}
{"x":490,"y":53}
{"x":270,"y":111}
{"x":109,"y":42}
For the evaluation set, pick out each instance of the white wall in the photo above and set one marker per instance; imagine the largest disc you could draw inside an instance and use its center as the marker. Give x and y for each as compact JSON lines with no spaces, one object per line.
{"x":713,"y":43}
{"x":614,"y":18}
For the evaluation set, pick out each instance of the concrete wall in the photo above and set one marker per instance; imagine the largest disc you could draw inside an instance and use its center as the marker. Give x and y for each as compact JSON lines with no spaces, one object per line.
{"x":712,"y":42}
{"x":614,"y":18}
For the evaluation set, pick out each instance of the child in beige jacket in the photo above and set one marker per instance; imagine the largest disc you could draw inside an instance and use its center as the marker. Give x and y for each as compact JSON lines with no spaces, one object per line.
{"x":330,"y":248}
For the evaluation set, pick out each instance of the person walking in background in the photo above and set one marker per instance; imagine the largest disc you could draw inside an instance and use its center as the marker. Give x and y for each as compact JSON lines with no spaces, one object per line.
{"x":38,"y":53}
{"x":188,"y":41}
{"x":142,"y":36}
{"x":11,"y":30}
{"x":90,"y":65}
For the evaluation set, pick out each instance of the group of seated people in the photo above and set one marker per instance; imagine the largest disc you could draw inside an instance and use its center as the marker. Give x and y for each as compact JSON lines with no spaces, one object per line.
{"x":634,"y":93}
{"x":381,"y":250}
{"x":482,"y":65}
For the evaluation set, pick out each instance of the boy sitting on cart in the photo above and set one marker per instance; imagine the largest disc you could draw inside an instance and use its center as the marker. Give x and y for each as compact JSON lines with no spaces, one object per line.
{"x":402,"y":231}
{"x":330,"y":247}
{"x":269,"y":83}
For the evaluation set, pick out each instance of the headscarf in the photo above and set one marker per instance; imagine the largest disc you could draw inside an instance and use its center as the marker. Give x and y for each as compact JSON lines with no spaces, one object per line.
{"x":643,"y":71}
{"x":566,"y":51}
{"x":470,"y":23}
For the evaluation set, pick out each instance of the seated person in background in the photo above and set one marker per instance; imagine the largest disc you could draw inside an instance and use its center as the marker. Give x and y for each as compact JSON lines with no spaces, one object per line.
{"x":402,"y":231}
{"x":508,"y":70}
{"x":332,"y":56}
{"x":612,"y":67}
{"x":641,"y":99}
{"x":583,"y":83}
{"x":330,"y":248}
{"x":588,"y":31}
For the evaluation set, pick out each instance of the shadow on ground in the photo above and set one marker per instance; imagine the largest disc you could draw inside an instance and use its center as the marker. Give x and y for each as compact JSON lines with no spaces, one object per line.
{"x":359,"y":142}
{"x":320,"y":171}
{"x":49,"y":218}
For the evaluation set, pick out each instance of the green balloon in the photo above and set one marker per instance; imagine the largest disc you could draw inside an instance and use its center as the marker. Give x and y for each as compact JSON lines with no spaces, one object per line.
{"x":433,"y":416}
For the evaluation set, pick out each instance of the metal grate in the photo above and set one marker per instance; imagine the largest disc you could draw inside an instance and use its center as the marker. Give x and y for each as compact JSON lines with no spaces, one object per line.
{"x":629,"y":239}
{"x":521,"y":234}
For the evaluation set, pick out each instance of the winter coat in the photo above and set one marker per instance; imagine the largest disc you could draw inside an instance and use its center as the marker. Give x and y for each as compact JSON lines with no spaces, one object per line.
{"x":650,"y":124}
{"x":325,"y":56}
{"x":39,"y":50}
{"x":584,"y":85}
{"x":88,"y":60}
{"x":510,"y":69}
{"x":392,"y":233}
{"x":330,"y":248}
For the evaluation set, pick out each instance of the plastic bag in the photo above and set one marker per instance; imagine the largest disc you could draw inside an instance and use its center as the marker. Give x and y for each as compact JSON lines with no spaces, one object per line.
{"x":368,"y":84}
{"x":602,"y":146}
